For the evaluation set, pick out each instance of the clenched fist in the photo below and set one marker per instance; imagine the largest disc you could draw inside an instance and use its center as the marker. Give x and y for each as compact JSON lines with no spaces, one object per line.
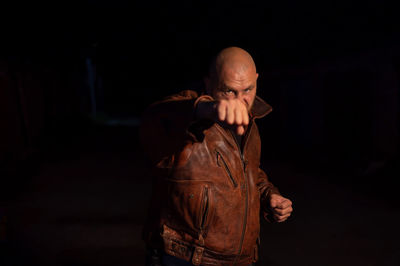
{"x":232,"y":112}
{"x":281,"y":207}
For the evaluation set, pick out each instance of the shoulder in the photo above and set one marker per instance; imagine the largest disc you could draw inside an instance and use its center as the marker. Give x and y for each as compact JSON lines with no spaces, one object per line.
{"x":182,"y":95}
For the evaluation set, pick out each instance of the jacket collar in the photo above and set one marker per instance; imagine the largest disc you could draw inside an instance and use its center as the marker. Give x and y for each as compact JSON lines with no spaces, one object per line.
{"x":260,"y":108}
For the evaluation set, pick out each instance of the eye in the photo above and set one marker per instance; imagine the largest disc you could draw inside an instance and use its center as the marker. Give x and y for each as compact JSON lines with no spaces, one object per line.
{"x":229,"y":92}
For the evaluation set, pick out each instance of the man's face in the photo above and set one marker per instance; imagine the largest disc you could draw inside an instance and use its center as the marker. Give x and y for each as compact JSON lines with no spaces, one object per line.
{"x":241,"y":85}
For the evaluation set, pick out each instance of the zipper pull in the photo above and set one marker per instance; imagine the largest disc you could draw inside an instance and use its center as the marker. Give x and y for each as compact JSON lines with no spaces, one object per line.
{"x":245,"y":163}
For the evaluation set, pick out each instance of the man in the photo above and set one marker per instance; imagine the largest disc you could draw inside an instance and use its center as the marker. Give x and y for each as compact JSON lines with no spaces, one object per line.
{"x":208,"y":189}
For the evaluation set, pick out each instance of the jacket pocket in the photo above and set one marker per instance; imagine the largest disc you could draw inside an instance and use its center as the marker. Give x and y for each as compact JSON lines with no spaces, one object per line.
{"x":190,"y":205}
{"x":221,"y":163}
{"x":203,"y":216}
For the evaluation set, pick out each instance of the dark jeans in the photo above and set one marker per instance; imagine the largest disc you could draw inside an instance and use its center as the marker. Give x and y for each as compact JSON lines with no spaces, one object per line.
{"x":155,"y":257}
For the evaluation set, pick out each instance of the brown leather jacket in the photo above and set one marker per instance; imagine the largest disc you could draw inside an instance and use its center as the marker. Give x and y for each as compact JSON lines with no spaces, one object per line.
{"x":208,"y":188}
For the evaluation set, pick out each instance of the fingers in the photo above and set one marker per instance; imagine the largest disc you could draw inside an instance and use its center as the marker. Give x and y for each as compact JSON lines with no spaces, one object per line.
{"x":277,"y":201}
{"x":281,"y":215}
{"x":238,"y":116}
{"x":283,"y":211}
{"x":233,"y":112}
{"x":245,"y":115}
{"x":286,"y":203}
{"x":221,"y":112}
{"x":281,"y":207}
{"x":281,"y":218}
{"x":230,"y":119}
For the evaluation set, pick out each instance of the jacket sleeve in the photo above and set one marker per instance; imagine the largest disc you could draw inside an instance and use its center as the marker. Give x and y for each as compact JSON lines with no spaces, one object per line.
{"x":164,"y":125}
{"x":266,"y":188}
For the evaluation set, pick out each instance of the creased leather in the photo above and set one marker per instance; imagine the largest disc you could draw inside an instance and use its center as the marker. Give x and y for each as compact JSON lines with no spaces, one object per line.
{"x":206,"y":200}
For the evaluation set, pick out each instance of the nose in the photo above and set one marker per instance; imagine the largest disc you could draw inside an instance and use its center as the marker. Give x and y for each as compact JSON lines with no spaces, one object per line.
{"x":241,"y":96}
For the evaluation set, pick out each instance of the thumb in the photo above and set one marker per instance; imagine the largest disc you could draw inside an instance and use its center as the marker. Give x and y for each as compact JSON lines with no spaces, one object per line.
{"x":273,"y":203}
{"x":240,"y":130}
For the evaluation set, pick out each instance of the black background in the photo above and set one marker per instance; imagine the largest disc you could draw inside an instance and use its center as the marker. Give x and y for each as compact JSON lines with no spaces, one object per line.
{"x":330,"y":69}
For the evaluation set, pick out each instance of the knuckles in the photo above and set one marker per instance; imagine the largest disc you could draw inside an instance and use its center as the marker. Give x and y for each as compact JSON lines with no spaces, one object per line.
{"x":232,"y":111}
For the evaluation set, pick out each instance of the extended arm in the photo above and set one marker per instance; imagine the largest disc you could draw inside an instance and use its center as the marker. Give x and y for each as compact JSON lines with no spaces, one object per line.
{"x":165,"y":124}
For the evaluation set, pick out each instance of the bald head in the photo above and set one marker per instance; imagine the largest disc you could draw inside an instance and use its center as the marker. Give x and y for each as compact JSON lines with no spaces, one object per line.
{"x":232,"y":60}
{"x":233,"y":75}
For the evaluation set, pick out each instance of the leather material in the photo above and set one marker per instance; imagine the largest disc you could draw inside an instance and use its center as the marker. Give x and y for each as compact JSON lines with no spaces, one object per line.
{"x":208,"y":189}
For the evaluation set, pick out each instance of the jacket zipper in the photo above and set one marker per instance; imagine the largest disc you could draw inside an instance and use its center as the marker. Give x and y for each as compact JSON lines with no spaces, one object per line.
{"x":205,"y":208}
{"x":246,"y":188}
{"x":226,"y":168}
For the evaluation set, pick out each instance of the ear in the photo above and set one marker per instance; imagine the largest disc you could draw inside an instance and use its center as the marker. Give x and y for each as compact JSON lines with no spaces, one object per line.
{"x":256,"y":76}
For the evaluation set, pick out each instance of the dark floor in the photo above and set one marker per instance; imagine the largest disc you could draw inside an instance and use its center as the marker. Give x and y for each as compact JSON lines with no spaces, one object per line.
{"x":87,"y":202}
